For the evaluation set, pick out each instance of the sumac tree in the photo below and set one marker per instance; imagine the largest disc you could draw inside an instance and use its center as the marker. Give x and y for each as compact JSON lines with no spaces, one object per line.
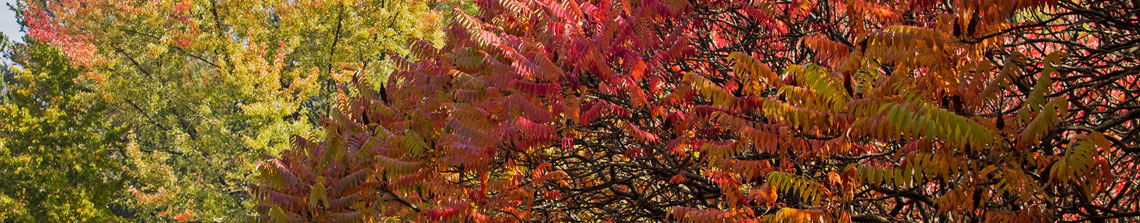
{"x":738,"y":111}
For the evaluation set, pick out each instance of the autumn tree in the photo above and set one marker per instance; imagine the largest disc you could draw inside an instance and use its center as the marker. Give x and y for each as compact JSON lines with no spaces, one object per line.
{"x":57,"y":156}
{"x":512,"y":120}
{"x":1019,"y":146}
{"x":739,"y":111}
{"x":204,"y":88}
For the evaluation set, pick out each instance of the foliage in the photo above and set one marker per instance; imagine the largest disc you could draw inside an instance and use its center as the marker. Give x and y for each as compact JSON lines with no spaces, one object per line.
{"x":567,"y":111}
{"x":737,"y":111}
{"x":205,"y":87}
{"x":57,"y":157}
{"x":941,"y":112}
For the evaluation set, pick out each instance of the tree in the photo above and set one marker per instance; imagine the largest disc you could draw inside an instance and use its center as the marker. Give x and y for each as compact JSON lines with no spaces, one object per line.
{"x":718,"y":111}
{"x":204,"y":88}
{"x":991,"y":65}
{"x":56,"y":155}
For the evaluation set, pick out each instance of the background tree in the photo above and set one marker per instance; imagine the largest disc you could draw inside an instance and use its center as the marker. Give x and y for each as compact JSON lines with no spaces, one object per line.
{"x":57,"y":156}
{"x":204,"y":88}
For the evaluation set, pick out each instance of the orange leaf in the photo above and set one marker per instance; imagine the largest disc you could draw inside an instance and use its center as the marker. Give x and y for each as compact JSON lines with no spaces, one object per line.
{"x":184,"y":216}
{"x":638,"y":71}
{"x":679,"y":178}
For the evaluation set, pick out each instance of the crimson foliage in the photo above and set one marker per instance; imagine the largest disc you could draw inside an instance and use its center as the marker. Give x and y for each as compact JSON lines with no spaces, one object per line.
{"x":714,"y":111}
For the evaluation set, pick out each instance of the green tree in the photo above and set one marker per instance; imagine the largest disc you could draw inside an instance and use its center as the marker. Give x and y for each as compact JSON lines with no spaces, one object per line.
{"x":57,"y":156}
{"x":205,"y":88}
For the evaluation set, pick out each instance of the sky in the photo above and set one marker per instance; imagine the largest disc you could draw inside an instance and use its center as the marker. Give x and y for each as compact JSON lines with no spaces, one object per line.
{"x":8,"y":23}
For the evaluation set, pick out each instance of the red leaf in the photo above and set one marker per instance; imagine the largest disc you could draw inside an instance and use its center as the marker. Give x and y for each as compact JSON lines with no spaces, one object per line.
{"x":640,"y":134}
{"x":679,"y":178}
{"x":638,"y":71}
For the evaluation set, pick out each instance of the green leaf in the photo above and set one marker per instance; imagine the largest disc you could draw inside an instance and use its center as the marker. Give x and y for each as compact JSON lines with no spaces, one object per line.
{"x":317,"y":195}
{"x":414,"y":142}
{"x":278,"y":215}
